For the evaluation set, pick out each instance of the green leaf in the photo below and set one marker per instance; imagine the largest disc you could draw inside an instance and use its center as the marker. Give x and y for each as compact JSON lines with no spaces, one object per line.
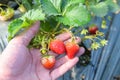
{"x":67,"y":3}
{"x":48,"y":25}
{"x":34,"y":14}
{"x":15,"y":27}
{"x":75,"y":15}
{"x":113,"y":7}
{"x":76,"y":1}
{"x":36,"y":3}
{"x":57,"y":4}
{"x":98,"y":0}
{"x":100,"y":9}
{"x":64,"y":4}
{"x":49,"y":8}
{"x":27,"y":4}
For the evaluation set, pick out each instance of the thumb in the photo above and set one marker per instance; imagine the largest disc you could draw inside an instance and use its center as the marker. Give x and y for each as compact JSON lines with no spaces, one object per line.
{"x":26,"y":36}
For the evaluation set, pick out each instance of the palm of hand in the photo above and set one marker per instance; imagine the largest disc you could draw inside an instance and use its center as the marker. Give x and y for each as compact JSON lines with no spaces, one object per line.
{"x":27,"y":65}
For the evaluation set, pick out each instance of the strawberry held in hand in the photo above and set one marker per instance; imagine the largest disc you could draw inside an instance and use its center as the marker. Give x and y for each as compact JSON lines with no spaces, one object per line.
{"x":72,"y":48}
{"x":93,"y":29}
{"x":57,"y":46}
{"x":48,"y":61}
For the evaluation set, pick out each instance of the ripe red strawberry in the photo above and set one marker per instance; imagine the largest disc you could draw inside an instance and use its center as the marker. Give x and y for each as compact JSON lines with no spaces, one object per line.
{"x":93,"y":29}
{"x":72,"y":49}
{"x":57,"y":46}
{"x":48,"y":61}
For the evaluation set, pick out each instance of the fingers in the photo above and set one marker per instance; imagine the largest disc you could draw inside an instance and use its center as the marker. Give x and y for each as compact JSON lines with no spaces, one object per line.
{"x":63,"y":68}
{"x":64,"y":36}
{"x":26,"y":36}
{"x":61,"y":61}
{"x":64,"y":64}
{"x":52,"y":53}
{"x":77,"y":40}
{"x":64,"y":59}
{"x":81,"y":51}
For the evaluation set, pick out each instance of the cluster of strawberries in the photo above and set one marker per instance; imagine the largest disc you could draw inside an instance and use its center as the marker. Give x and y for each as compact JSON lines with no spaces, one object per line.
{"x":59,"y":47}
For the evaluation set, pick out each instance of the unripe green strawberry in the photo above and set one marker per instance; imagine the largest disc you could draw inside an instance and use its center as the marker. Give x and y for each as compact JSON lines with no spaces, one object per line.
{"x":71,"y":49}
{"x":57,"y":46}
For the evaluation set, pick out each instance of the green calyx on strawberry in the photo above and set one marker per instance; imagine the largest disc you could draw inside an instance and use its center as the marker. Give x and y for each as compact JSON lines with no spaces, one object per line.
{"x":57,"y":46}
{"x":43,"y":51}
{"x":48,"y":61}
{"x":72,"y":48}
{"x":93,"y":29}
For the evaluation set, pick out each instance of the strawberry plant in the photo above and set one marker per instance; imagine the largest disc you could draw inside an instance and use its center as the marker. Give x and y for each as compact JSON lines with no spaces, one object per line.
{"x":21,"y":7}
{"x":6,"y":12}
{"x":58,"y":16}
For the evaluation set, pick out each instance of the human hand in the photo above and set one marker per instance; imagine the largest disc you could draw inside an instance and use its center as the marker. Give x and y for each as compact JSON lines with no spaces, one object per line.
{"x":17,"y":62}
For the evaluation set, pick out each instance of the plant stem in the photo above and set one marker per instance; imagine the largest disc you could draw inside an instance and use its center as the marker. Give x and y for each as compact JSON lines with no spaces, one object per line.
{"x":1,"y":9}
{"x":44,"y":49}
{"x":58,"y":24}
{"x":87,"y":4}
{"x":4,"y":5}
{"x":17,"y":2}
{"x":64,"y":12}
{"x":70,"y":28}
